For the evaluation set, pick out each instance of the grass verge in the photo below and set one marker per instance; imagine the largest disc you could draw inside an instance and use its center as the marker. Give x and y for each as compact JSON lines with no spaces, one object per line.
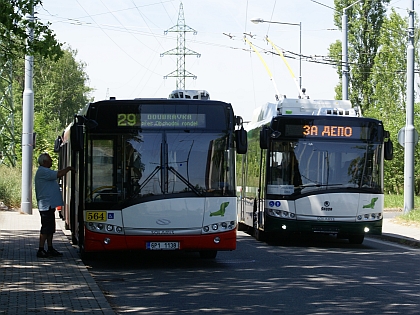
{"x":11,"y":187}
{"x":397,"y":202}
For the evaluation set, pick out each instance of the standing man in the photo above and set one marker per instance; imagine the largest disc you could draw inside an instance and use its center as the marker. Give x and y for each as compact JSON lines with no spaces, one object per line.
{"x":49,"y":197}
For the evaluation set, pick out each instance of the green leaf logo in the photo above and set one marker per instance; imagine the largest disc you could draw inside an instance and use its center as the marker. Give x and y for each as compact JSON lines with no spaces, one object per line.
{"x":221,"y":211}
{"x":371,"y":205}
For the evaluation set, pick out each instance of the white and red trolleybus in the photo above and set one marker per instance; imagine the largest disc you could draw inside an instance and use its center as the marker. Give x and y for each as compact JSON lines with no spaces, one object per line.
{"x":152,"y":174}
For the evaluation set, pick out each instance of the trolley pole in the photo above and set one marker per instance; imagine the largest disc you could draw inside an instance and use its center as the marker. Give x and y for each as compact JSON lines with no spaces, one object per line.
{"x":28,"y":126}
{"x":409,"y":114}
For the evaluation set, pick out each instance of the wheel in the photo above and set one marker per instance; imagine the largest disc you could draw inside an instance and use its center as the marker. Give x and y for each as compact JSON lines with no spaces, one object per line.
{"x":73,"y":238}
{"x":356,"y":239}
{"x":259,"y":235}
{"x":242,"y":227}
{"x":208,"y":254}
{"x":86,"y":255}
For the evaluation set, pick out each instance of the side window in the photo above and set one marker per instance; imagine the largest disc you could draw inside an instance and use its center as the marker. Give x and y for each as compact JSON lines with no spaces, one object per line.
{"x":100,"y":163}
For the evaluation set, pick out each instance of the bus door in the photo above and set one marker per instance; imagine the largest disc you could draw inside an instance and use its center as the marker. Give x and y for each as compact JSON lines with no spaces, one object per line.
{"x":261,"y":193}
{"x":101,"y":179}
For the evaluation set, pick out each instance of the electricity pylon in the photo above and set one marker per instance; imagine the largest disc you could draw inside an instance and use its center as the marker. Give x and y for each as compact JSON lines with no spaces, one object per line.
{"x":7,"y":132}
{"x":181,"y":51}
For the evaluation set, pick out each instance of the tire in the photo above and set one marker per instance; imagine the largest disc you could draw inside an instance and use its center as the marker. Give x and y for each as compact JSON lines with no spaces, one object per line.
{"x":356,"y":239}
{"x":73,"y":239}
{"x":259,"y":235}
{"x":208,"y":254}
{"x":242,"y":227}
{"x":86,"y":255}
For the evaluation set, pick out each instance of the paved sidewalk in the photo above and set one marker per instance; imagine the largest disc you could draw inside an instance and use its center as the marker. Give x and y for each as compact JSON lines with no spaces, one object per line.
{"x":31,"y":285}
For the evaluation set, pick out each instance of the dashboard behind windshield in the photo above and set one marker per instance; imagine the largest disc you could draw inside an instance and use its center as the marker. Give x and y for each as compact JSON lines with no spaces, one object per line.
{"x":297,"y":167}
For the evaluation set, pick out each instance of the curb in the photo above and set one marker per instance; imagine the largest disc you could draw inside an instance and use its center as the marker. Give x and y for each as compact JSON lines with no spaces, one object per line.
{"x":402,"y":240}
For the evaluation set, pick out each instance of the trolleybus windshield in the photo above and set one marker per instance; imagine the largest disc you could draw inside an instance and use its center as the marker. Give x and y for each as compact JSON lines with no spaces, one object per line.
{"x":309,"y":154}
{"x":305,"y":166}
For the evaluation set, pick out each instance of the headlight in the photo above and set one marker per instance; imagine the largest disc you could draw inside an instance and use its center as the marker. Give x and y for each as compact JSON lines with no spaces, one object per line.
{"x":281,"y":214}
{"x":219,"y":227}
{"x":104,"y":228}
{"x":369,"y":216}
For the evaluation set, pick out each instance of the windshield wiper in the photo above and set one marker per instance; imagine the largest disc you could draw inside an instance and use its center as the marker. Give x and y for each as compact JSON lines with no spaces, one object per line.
{"x":185,"y":181}
{"x":171,"y":169}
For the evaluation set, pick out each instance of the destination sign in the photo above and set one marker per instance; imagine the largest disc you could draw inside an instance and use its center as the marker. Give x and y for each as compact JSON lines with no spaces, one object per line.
{"x":325,"y":131}
{"x":159,"y":120}
{"x":328,"y":131}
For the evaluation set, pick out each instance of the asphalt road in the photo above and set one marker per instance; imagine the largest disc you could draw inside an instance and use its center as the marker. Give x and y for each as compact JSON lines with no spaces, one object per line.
{"x":320,"y":275}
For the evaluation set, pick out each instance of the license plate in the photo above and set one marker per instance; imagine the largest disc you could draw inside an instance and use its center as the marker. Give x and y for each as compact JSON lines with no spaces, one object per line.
{"x":96,"y":216}
{"x":162,"y":245}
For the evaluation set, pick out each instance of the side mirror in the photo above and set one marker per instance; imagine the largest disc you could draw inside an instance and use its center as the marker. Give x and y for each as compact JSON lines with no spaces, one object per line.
{"x":57,"y":144}
{"x":264,"y":137}
{"x":388,"y":150}
{"x":76,"y":136}
{"x":241,"y":141}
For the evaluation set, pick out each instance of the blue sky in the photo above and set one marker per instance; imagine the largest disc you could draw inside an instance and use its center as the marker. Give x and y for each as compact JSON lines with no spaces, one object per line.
{"x":121,"y":43}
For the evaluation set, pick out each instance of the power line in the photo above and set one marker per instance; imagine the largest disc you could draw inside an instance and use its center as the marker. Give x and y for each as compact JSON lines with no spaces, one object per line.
{"x":116,"y":44}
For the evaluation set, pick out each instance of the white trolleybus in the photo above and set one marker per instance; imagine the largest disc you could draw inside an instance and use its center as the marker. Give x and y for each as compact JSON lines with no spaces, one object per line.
{"x":152,"y":174}
{"x":312,"y":167}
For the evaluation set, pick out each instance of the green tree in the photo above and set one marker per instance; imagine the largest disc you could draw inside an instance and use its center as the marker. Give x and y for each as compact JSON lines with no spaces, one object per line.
{"x":364,"y":29}
{"x":14,"y":44}
{"x":13,"y":34}
{"x":60,"y":91}
{"x":389,"y":86}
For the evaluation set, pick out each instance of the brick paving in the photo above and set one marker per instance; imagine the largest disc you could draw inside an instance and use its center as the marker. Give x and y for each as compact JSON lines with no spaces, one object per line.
{"x":31,"y":285}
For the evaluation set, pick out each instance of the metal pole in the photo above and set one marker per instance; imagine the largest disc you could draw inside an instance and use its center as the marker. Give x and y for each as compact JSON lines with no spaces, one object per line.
{"x":345,"y":70}
{"x":300,"y":56}
{"x":28,"y":127}
{"x":409,"y":114}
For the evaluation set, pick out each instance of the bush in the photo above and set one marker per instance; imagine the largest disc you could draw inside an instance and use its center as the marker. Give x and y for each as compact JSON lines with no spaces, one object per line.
{"x":10,"y":187}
